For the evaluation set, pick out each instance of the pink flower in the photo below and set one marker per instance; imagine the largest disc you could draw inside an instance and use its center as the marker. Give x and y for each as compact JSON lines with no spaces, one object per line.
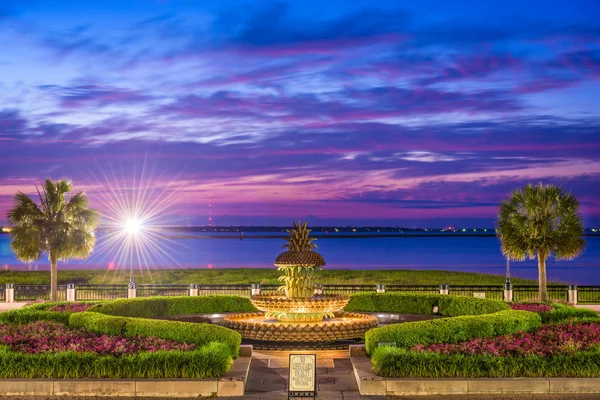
{"x":565,"y":338}
{"x":52,"y":337}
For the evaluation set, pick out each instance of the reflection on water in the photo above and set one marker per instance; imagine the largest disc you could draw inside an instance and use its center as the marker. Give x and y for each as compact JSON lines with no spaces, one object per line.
{"x":469,"y":254}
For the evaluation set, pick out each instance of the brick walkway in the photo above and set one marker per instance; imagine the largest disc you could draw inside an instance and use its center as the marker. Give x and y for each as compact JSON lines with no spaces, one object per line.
{"x":269,"y":373}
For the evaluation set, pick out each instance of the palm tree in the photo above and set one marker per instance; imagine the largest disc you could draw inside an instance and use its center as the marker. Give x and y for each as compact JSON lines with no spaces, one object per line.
{"x":540,"y":221}
{"x":61,"y":226}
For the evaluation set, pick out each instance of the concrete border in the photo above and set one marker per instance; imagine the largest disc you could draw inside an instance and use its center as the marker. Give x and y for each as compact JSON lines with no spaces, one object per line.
{"x":231,"y":384}
{"x":370,"y":384}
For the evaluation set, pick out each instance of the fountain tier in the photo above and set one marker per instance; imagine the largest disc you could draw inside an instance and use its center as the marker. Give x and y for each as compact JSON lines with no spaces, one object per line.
{"x":343,"y":326}
{"x":305,"y":309}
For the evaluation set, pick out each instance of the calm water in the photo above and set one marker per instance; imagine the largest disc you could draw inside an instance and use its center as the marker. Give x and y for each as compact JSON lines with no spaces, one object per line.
{"x":469,"y":254}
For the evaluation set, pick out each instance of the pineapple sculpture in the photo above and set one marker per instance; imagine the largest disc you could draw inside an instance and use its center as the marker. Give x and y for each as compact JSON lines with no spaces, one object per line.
{"x":299,"y":263}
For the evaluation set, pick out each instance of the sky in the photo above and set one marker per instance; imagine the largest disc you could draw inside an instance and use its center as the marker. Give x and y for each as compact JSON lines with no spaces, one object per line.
{"x":416,"y":114}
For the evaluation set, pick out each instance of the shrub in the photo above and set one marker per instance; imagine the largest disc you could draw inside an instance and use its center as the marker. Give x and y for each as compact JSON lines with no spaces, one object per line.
{"x":563,"y":312}
{"x":210,"y":361}
{"x":58,"y":305}
{"x":183,"y":332}
{"x":415,"y":303}
{"x":149,"y":307}
{"x":403,"y":363}
{"x":452,"y":330}
{"x":547,"y":341}
{"x":48,"y":311}
{"x":26,"y":315}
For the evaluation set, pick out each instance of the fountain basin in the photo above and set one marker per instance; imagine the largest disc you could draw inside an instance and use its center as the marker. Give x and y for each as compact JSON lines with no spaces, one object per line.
{"x":326,"y":303}
{"x":344,"y":326}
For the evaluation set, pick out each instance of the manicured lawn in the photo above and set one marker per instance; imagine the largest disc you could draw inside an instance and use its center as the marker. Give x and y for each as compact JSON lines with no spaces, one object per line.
{"x":263,"y":276}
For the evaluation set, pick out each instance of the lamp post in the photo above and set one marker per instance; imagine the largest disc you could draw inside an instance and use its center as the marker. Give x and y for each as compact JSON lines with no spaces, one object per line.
{"x":508,"y":290}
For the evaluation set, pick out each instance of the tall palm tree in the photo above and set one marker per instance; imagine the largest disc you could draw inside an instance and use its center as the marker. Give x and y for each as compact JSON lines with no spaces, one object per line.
{"x":61,"y":226}
{"x":540,"y":221}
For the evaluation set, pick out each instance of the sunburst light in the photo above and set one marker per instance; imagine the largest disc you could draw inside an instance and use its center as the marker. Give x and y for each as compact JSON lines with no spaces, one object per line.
{"x":136,"y":208}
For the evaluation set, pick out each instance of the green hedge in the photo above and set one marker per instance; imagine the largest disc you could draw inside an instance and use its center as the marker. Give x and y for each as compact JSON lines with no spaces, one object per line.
{"x":38,"y":312}
{"x":415,"y":303}
{"x":452,"y":330}
{"x":46,"y":305}
{"x":183,"y":332}
{"x":563,"y":312}
{"x":402,"y":363}
{"x":149,"y":307}
{"x":210,"y":361}
{"x":25,"y":315}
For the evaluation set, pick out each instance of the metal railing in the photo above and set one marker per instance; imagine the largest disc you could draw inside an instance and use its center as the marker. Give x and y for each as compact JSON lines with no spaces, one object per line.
{"x":38,"y":292}
{"x":100,"y":292}
{"x":588,"y":294}
{"x":162,"y":290}
{"x":585,"y":294}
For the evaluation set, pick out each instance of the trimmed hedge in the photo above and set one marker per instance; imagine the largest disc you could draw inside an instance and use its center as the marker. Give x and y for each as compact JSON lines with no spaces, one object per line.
{"x":183,"y":332}
{"x":149,"y":307}
{"x":46,"y":305}
{"x":38,"y":312}
{"x":563,"y":312}
{"x":415,"y":303}
{"x":452,"y":330}
{"x":210,"y":361}
{"x":403,"y":363}
{"x":26,"y":315}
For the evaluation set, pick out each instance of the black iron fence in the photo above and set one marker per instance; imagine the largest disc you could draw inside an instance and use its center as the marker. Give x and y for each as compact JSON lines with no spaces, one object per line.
{"x":585,"y":294}
{"x":38,"y":292}
{"x":100,"y":292}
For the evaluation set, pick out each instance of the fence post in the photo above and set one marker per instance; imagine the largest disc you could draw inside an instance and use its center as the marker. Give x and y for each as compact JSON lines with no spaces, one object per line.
{"x":508,"y":292}
{"x":444,"y":289}
{"x":318,"y":289}
{"x":131,"y":290}
{"x":194,"y":290}
{"x":255,"y":289}
{"x":572,"y":295}
{"x":70,"y":292}
{"x":10,"y":293}
{"x":380,"y":288}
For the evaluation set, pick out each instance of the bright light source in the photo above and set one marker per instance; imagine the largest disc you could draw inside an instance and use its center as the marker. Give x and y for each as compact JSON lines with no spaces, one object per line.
{"x":133,"y":226}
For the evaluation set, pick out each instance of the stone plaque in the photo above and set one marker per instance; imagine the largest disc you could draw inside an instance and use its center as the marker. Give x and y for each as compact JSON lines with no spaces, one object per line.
{"x":479,"y":295}
{"x":303,"y":376}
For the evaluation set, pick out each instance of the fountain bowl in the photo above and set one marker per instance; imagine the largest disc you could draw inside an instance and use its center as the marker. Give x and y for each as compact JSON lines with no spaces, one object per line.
{"x":325,"y":303}
{"x":344,"y":326}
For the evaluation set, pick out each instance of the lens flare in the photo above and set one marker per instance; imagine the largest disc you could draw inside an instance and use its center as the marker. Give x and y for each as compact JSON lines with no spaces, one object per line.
{"x":137,"y":208}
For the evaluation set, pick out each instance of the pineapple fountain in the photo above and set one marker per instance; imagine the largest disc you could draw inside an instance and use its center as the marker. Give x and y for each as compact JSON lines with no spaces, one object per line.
{"x":300,"y":314}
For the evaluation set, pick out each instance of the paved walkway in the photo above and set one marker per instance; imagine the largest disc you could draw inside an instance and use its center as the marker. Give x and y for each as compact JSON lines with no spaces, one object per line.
{"x":269,"y":374}
{"x":10,"y":306}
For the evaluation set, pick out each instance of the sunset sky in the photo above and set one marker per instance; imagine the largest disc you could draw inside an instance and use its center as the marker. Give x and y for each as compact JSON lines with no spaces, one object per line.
{"x":423,"y":113}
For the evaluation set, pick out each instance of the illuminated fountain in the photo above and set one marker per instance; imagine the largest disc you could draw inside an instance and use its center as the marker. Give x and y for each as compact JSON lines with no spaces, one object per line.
{"x":300,"y":314}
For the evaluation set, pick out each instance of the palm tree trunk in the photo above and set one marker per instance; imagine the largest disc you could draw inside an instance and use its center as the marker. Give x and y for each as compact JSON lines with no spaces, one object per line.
{"x":53,"y":277}
{"x":542,"y":276}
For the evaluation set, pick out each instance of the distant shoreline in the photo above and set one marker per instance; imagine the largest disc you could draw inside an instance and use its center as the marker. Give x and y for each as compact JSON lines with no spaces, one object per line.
{"x":343,"y":236}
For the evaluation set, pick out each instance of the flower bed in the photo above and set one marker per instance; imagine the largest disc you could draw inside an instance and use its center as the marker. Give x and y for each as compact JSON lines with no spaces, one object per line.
{"x":52,"y":337}
{"x":533,"y":307}
{"x":547,"y":341}
{"x":569,"y":349}
{"x":70,"y":307}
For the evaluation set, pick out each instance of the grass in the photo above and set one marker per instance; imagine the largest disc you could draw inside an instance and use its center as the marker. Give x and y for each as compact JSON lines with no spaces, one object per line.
{"x":262,"y":276}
